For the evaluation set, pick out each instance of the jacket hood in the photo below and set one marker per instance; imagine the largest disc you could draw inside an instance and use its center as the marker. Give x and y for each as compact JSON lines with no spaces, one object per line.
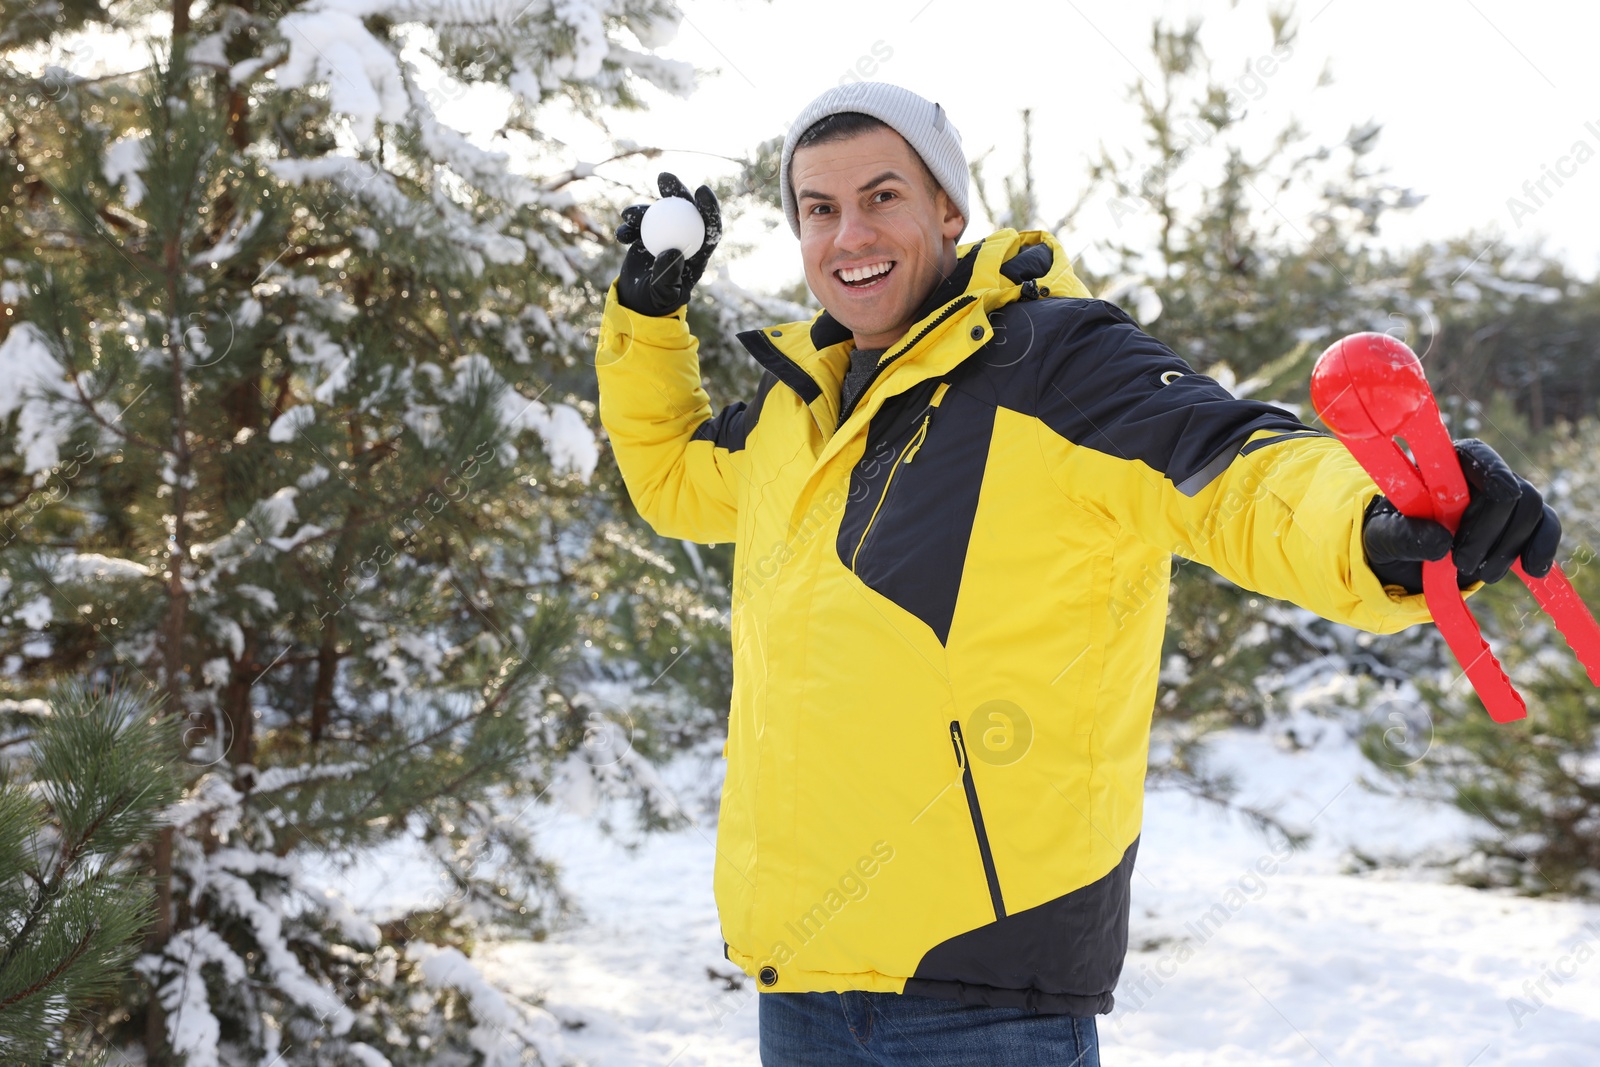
{"x":812,"y":355}
{"x":994,"y":269}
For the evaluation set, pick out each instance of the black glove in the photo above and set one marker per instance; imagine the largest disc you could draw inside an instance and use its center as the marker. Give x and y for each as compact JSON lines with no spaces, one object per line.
{"x":1505,"y":518}
{"x":660,"y":285}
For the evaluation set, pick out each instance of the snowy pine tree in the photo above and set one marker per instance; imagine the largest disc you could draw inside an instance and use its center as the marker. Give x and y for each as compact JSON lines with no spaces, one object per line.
{"x":300,"y":436}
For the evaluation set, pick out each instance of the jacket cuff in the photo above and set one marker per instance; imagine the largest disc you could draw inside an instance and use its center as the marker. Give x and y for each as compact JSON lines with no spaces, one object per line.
{"x":1391,"y":603}
{"x":657,"y":331}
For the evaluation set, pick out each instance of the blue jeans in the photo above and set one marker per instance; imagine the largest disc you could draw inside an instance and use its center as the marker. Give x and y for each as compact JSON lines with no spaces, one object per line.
{"x":861,"y":1029}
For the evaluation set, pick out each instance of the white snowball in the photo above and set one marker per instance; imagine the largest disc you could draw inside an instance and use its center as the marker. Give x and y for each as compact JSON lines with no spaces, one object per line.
{"x":673,"y":222}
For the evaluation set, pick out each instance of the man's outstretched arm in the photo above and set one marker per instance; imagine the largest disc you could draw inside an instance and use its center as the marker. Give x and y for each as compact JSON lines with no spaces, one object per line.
{"x":1242,"y":486}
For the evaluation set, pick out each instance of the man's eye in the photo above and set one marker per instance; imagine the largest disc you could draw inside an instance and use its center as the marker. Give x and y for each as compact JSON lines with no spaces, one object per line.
{"x":886,"y":192}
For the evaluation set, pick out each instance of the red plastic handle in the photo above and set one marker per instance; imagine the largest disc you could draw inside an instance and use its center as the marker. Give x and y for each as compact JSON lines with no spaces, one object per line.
{"x":1572,"y":617}
{"x":1369,"y":388}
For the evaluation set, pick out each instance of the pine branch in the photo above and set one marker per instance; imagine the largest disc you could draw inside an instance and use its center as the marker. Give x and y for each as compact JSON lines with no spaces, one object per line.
{"x":127,"y":435}
{"x":72,"y":957}
{"x":489,"y":707}
{"x":51,"y":888}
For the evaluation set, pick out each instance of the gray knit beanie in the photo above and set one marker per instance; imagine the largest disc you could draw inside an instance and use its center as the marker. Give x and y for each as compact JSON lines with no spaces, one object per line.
{"x":923,"y":124}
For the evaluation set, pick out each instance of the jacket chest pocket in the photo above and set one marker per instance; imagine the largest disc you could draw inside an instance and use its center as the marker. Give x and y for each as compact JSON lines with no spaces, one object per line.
{"x":880,"y":474}
{"x":913,"y":500}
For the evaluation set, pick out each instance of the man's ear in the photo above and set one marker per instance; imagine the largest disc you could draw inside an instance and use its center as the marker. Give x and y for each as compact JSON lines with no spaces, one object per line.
{"x":954,"y":222}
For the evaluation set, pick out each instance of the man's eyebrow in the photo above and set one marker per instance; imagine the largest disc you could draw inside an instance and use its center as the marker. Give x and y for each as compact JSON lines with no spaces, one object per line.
{"x":812,"y":194}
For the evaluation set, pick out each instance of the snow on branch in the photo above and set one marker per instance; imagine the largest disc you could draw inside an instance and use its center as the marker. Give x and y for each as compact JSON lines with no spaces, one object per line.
{"x":192,"y":1029}
{"x":327,"y":42}
{"x":228,"y":245}
{"x":265,"y":524}
{"x":92,"y":566}
{"x":275,"y":778}
{"x":502,"y":1031}
{"x":33,"y":385}
{"x":670,"y":75}
{"x":568,"y":440}
{"x":234,"y":895}
{"x":124,"y":162}
{"x":479,"y":167}
{"x":440,"y":229}
{"x":212,"y":795}
{"x":545,"y":43}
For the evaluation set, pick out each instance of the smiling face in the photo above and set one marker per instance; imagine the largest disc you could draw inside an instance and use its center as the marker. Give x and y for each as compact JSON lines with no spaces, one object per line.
{"x":865,"y":202}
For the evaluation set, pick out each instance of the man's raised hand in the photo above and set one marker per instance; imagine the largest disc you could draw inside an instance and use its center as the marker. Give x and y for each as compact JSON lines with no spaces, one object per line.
{"x":659,"y":285}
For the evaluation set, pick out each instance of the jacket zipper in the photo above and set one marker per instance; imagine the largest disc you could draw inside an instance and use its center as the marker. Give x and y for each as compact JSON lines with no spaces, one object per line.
{"x":977,"y":820}
{"x":906,"y":455}
{"x":950,"y":309}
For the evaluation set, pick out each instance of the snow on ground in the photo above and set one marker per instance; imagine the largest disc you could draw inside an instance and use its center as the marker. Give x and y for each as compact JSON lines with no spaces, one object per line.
{"x":1239,"y":957}
{"x":1240,"y":953}
{"x":645,"y":975}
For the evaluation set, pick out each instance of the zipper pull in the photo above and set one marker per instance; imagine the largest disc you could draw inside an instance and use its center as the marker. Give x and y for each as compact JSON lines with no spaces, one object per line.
{"x":922,"y":432}
{"x":955,"y":740}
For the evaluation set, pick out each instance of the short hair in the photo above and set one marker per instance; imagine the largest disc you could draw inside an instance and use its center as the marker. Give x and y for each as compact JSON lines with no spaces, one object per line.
{"x":842,"y":125}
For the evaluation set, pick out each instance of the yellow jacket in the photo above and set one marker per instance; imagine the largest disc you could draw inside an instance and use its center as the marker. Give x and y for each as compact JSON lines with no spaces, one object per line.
{"x":948,"y":610}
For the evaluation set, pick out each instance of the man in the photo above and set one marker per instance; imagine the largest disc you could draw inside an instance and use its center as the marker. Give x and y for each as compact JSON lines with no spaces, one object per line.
{"x":954,"y":499}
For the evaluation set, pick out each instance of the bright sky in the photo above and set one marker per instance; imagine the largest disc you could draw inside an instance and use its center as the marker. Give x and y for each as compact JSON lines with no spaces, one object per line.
{"x":1476,"y":97}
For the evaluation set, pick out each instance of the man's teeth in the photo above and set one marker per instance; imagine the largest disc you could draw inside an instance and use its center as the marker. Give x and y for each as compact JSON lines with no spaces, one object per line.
{"x":863,"y":273}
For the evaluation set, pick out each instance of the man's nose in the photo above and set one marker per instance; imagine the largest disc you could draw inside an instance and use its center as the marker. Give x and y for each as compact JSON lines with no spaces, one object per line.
{"x":855,"y":231}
